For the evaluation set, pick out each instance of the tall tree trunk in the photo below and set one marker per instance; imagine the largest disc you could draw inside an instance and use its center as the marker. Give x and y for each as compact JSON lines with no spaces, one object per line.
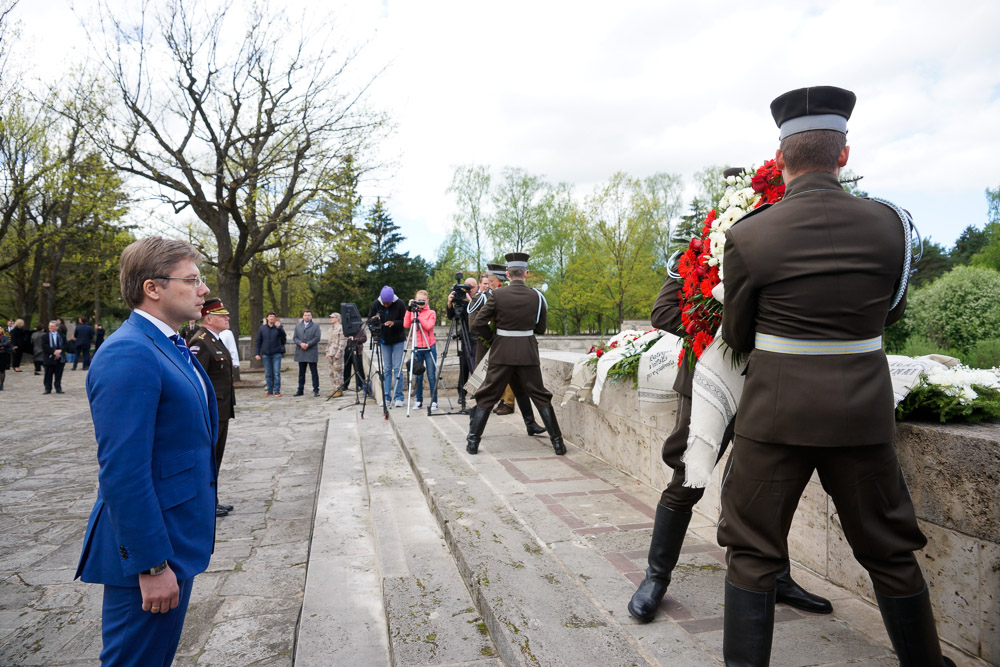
{"x":256,"y":304}
{"x":229,"y":292}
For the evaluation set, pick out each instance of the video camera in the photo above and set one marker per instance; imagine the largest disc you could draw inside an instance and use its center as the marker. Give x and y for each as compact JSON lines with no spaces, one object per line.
{"x":458,"y":293}
{"x":350,"y":319}
{"x":415,"y":306}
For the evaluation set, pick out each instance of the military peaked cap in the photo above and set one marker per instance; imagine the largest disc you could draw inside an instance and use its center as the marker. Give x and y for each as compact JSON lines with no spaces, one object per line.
{"x":815,"y":108}
{"x":517,"y":260}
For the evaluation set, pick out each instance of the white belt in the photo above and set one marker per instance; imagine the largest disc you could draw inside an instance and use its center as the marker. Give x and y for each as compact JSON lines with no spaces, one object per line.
{"x":782,"y":345}
{"x":515,"y":334}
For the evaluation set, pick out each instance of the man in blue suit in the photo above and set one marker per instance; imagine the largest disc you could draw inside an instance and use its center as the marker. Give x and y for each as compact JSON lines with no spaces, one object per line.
{"x":152,"y":528}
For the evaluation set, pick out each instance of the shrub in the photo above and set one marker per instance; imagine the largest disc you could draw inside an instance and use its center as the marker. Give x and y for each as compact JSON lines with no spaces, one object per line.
{"x":958,"y":309}
{"x":918,"y":346}
{"x":984,"y":354}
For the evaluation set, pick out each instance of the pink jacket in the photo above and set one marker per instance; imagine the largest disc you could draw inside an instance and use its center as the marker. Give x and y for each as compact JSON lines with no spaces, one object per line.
{"x":427,"y":318}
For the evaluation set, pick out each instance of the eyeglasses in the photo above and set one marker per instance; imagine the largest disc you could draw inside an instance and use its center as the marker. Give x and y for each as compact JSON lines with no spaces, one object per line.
{"x":199,"y":281}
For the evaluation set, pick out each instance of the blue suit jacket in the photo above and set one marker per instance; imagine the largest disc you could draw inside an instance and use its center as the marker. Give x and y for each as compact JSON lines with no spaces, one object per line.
{"x":156,"y":449}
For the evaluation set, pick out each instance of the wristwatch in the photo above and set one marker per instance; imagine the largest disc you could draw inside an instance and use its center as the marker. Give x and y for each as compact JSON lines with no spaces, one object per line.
{"x":158,"y":569}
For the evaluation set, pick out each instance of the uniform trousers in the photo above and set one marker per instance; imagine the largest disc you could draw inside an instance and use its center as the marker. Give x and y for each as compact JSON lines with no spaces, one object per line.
{"x":761,"y":489}
{"x":220,"y":444}
{"x":133,"y":637}
{"x":676,"y":496}
{"x":523,"y":379}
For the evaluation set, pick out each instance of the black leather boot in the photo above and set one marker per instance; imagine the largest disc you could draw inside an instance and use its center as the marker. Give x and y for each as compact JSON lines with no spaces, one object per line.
{"x":909,"y":620}
{"x":524,"y":405}
{"x":748,"y":626}
{"x":548,"y":415}
{"x":669,"y":528}
{"x":477,"y":423}
{"x":790,"y":593}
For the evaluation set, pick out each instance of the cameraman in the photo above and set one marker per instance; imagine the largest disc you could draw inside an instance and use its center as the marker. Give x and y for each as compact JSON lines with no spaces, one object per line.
{"x":388,"y":311}
{"x":424,"y":345}
{"x":461,"y":310}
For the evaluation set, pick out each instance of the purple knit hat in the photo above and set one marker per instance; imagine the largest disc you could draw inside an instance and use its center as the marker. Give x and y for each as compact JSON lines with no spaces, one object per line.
{"x":386,"y":295}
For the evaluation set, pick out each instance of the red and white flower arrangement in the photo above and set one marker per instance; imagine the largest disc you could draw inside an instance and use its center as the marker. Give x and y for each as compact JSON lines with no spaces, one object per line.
{"x":701,"y":265}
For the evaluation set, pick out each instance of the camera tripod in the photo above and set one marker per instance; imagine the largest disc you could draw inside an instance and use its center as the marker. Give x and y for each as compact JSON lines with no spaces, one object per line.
{"x":411,"y":344}
{"x":458,"y":331}
{"x":374,"y":367}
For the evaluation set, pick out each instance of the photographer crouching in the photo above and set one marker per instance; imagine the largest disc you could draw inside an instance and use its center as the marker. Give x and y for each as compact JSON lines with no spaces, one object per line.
{"x":424,"y":345}
{"x":388,"y":311}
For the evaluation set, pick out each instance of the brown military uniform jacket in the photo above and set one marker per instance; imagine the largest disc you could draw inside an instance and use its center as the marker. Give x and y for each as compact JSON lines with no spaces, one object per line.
{"x":513,"y":308}
{"x":214,"y":357}
{"x":819,"y":265}
{"x":666,"y":316}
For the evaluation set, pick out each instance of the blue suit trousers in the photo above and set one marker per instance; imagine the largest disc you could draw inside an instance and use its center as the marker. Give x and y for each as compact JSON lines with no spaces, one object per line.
{"x":136,"y":638}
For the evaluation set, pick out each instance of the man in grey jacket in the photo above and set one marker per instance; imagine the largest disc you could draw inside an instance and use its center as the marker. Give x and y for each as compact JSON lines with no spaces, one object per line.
{"x":306,"y":340}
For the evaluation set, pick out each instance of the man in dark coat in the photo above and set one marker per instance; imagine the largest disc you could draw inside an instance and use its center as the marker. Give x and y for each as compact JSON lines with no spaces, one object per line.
{"x":270,"y":346}
{"x":518,"y":313}
{"x":810,"y":284}
{"x":306,"y":338}
{"x":84,"y":335}
{"x":55,"y":347}
{"x":207,"y":346}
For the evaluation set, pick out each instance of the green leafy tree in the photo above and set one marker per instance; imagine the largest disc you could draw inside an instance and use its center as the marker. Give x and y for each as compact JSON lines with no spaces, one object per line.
{"x":968,"y":243}
{"x":518,"y":209}
{"x":621,"y":246}
{"x":934,"y":263}
{"x":471,"y":186}
{"x":663,"y":200}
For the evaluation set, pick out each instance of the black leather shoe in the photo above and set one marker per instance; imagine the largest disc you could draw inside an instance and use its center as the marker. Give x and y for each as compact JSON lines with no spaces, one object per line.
{"x":315,"y":392}
{"x":227,"y":508}
{"x":790,"y":593}
{"x":220,"y":512}
{"x":47,"y":391}
{"x":60,"y":391}
{"x":298,"y":393}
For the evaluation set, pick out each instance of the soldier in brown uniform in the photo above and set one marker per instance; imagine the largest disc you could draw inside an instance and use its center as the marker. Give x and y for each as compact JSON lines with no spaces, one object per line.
{"x":218,"y":364}
{"x":810,"y":284}
{"x":519,"y":312}
{"x":497,"y":274}
{"x":673,"y":512}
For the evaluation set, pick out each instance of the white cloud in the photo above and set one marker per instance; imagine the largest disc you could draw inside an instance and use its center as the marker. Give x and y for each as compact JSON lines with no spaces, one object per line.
{"x":579,"y":90}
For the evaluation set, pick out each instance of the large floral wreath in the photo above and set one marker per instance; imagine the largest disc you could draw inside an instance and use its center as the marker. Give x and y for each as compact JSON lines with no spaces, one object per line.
{"x":701,"y":265}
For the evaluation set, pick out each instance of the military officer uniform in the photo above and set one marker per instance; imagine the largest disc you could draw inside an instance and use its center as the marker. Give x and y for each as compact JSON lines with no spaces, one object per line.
{"x":674,"y":511}
{"x":518,"y":313}
{"x":809,"y":288}
{"x":509,"y":396}
{"x":218,"y":364}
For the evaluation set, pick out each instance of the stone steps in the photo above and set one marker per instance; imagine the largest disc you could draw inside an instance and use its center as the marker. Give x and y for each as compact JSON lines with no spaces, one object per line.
{"x":382,"y":587}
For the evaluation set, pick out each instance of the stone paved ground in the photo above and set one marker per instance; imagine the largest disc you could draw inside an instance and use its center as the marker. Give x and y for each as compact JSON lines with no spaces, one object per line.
{"x":243,"y":611}
{"x":531,"y":562}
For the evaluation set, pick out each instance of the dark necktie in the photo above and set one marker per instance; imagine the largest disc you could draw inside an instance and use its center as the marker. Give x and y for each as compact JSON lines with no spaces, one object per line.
{"x":182,"y":346}
{"x":55,"y":340}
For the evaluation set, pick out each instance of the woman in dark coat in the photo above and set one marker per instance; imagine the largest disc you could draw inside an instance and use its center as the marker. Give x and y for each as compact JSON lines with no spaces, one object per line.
{"x":5,"y":354}
{"x":20,"y":339}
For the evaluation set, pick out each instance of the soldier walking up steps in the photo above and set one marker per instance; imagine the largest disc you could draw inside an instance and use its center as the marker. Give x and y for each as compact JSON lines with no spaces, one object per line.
{"x":519,"y":313}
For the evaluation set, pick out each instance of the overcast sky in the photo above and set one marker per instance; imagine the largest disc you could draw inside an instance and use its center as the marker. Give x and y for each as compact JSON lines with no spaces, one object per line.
{"x":575,"y":91}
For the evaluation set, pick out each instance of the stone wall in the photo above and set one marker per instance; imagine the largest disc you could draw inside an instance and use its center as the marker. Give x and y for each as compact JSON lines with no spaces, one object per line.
{"x":953,"y":472}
